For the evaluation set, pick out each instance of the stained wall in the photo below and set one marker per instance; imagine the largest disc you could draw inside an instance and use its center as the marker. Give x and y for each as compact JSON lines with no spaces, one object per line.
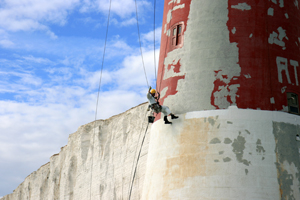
{"x":225,"y":154}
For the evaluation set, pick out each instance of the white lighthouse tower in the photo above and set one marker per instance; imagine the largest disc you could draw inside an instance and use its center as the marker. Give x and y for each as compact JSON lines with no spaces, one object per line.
{"x":230,"y":69}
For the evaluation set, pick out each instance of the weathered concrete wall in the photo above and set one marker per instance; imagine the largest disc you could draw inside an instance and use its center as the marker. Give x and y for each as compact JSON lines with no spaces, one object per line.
{"x":225,"y":154}
{"x":101,"y":161}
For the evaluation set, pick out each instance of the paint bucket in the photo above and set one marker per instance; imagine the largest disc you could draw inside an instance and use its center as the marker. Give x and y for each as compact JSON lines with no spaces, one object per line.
{"x":151,"y":119}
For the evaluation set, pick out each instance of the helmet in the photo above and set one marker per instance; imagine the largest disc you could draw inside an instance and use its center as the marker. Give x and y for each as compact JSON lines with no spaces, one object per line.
{"x":153,"y":91}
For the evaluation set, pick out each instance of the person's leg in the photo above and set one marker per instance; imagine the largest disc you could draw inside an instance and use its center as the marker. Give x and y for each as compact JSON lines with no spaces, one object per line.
{"x":166,"y":120}
{"x":173,"y":116}
{"x":166,"y":111}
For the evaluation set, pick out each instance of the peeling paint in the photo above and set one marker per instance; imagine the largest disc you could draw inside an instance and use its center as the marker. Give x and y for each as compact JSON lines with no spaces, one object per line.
{"x":285,"y":108}
{"x":271,"y":11}
{"x":242,"y":6}
{"x":163,"y":92}
{"x":247,"y":75}
{"x":215,"y":141}
{"x":227,"y":141}
{"x":281,"y":3}
{"x":233,"y":30}
{"x":272,"y":100}
{"x":173,"y":1}
{"x":274,"y":1}
{"x":229,"y":122}
{"x":169,"y":15}
{"x":246,"y":171}
{"x":221,"y":152}
{"x":225,"y":91}
{"x":259,"y":147}
{"x":277,"y":38}
{"x":227,"y":159}
{"x":286,"y":15}
{"x":238,"y":148}
{"x":283,"y":89}
{"x":211,"y":121}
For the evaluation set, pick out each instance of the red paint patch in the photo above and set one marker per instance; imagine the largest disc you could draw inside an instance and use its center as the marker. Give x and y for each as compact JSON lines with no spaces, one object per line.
{"x":178,"y":15}
{"x":171,"y":83}
{"x":262,"y":39}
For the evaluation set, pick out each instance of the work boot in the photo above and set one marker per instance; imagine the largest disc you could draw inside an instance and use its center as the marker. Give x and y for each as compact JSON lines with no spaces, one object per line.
{"x":166,"y":120}
{"x":173,"y":116}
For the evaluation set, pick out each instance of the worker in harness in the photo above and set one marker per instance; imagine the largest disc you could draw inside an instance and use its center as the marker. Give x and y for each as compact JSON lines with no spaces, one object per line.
{"x":154,"y":105}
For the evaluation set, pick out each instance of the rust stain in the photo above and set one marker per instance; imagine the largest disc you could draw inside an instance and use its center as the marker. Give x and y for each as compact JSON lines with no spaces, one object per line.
{"x":190,"y":162}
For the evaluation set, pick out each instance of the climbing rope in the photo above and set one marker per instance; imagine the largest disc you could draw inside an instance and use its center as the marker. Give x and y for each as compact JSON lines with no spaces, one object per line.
{"x":138,"y":28}
{"x":154,"y":43}
{"x":132,"y":181}
{"x":138,"y":157}
{"x":99,"y":88}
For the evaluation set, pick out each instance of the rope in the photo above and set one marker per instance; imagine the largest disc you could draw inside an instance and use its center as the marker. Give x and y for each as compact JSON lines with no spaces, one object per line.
{"x":166,"y":46}
{"x":99,"y":88}
{"x":138,"y":28}
{"x":131,"y":185}
{"x":154,"y":44}
{"x":137,"y":20}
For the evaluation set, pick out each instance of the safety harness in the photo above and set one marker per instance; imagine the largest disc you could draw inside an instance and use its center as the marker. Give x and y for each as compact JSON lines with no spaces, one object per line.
{"x":156,"y":107}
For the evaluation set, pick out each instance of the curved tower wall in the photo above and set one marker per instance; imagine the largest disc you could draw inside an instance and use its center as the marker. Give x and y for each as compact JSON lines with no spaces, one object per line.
{"x":227,"y":74}
{"x":233,"y":52}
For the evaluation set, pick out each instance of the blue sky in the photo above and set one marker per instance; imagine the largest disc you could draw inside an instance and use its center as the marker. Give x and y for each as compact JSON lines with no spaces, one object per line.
{"x":50,"y":60}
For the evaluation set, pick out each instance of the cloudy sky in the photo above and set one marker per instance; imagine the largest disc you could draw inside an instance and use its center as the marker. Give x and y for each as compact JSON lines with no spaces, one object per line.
{"x":50,"y":60}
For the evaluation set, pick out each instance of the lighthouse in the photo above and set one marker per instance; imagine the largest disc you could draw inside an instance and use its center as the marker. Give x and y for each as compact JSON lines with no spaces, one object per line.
{"x":230,"y":69}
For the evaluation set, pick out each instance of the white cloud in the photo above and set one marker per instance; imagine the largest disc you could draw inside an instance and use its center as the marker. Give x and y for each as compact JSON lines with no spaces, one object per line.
{"x":149,"y":37}
{"x":128,"y":22}
{"x":21,"y":15}
{"x":29,"y":79}
{"x":91,"y":79}
{"x":6,"y":43}
{"x":36,"y":59}
{"x":24,"y":78}
{"x":122,"y":8}
{"x":133,"y":67}
{"x":39,"y":15}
